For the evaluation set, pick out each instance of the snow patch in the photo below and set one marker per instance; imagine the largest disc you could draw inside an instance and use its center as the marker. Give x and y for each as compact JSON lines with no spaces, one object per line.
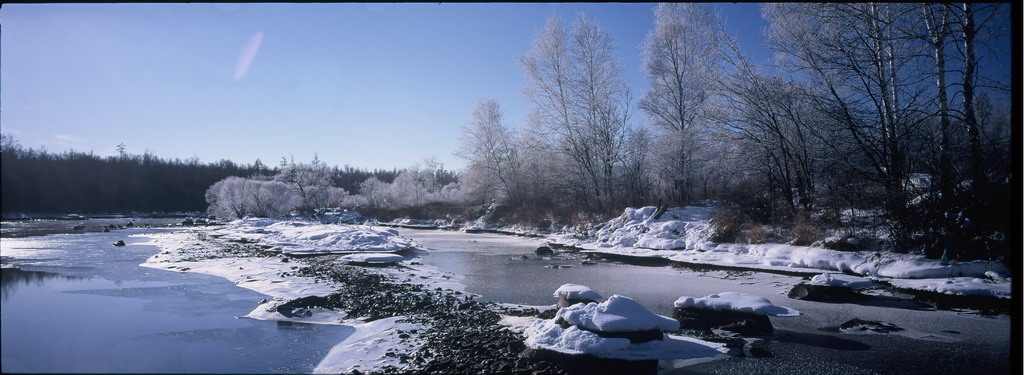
{"x":962,"y":286}
{"x":683,"y":235}
{"x":308,"y":238}
{"x":574,"y":291}
{"x":617,"y":314}
{"x":829,"y":279}
{"x":365,"y":349}
{"x":735,"y":301}
{"x":372,"y":258}
{"x":546,"y":334}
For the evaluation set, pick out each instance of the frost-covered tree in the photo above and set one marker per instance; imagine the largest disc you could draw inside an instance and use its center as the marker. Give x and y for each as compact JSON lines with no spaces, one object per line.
{"x":269,"y":198}
{"x":775,"y":120}
{"x":239,"y":197}
{"x":311,"y":182}
{"x":682,"y":58}
{"x":375,"y":192}
{"x":636,"y":179}
{"x":580,"y":99}
{"x":871,"y":86}
{"x":493,"y":153}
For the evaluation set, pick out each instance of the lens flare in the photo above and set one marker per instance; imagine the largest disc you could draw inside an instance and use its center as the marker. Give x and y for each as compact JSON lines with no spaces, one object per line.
{"x":247,"y":55}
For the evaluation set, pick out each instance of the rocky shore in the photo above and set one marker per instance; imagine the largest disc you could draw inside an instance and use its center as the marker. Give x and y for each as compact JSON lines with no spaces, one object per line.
{"x":462,"y":335}
{"x":455,"y":333}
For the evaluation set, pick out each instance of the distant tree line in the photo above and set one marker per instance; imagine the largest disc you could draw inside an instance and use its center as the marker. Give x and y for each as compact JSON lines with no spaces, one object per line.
{"x":871,"y":111}
{"x":38,"y":181}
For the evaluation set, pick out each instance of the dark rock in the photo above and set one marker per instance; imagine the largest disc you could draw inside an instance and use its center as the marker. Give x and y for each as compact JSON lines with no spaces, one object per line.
{"x":544,"y":250}
{"x":824,"y":293}
{"x":743,"y":323}
{"x":119,"y":243}
{"x":758,"y":349}
{"x":566,"y":302}
{"x":859,"y":325}
{"x":559,"y":363}
{"x":292,"y":312}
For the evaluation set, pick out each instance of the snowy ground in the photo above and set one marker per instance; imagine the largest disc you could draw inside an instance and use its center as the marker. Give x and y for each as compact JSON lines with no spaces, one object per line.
{"x":309,"y":238}
{"x":374,"y":343}
{"x":273,"y":276}
{"x":678,"y":235}
{"x":683,"y":235}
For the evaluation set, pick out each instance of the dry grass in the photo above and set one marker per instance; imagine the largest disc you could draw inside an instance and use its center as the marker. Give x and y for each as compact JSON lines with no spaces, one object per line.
{"x":804,"y":232}
{"x":729,"y":224}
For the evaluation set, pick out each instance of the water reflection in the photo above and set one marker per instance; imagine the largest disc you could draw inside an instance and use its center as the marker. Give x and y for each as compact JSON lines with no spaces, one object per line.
{"x":13,"y":278}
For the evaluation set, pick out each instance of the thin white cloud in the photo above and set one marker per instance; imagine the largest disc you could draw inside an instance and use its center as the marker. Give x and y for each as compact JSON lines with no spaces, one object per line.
{"x":247,"y":55}
{"x":69,"y":138}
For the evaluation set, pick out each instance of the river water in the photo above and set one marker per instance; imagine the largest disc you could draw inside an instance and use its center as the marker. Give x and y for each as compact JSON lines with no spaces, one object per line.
{"x":79,"y":304}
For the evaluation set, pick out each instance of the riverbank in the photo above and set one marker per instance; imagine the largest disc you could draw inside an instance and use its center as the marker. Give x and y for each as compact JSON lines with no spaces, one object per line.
{"x":408,"y":317}
{"x":497,"y":284}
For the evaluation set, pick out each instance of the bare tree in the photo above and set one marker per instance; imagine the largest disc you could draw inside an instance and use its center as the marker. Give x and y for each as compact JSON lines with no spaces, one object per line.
{"x":976,"y":27}
{"x":681,"y":58}
{"x":490,"y":147}
{"x":774,"y":118}
{"x":871,"y":86}
{"x":936,"y":19}
{"x":310,"y":182}
{"x":579,"y":96}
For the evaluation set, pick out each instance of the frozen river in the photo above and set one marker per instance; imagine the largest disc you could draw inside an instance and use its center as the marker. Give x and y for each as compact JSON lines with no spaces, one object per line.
{"x":932,"y":342}
{"x":82,"y":305}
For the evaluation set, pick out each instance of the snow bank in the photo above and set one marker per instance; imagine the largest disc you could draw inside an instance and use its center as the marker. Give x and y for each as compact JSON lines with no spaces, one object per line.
{"x":828,"y":279}
{"x":546,"y":334}
{"x":423,"y":223}
{"x":365,"y":349}
{"x":573,"y":291}
{"x":260,"y":274}
{"x":735,"y":301}
{"x":617,"y":314}
{"x":676,"y":228}
{"x":373,"y":258}
{"x":683,"y":235}
{"x":962,"y":286}
{"x":306,"y":238}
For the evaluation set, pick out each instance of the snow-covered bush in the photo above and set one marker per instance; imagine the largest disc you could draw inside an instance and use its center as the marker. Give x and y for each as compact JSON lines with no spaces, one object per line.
{"x":238,"y":197}
{"x":310,"y":182}
{"x":413,"y":187}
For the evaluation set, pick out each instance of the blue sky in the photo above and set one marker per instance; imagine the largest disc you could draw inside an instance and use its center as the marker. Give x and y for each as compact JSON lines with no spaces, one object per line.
{"x":374,"y":86}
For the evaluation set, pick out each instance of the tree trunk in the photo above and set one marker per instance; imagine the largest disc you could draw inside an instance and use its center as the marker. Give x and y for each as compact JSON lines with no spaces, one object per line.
{"x":970,"y":119}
